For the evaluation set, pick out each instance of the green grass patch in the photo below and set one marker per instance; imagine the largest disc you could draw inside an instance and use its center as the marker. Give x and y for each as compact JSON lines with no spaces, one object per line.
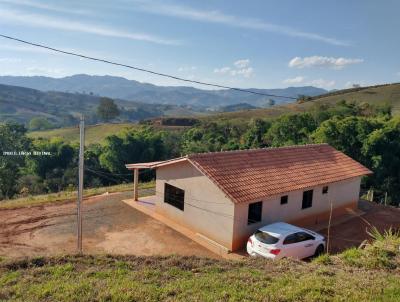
{"x":64,"y":196}
{"x":93,"y":134}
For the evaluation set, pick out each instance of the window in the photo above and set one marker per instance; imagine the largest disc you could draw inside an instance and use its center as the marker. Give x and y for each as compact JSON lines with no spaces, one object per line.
{"x":174,"y":196}
{"x":290,"y":239}
{"x":325,"y":190}
{"x":307,"y":199}
{"x":303,"y":236}
{"x":284,"y":199}
{"x":298,"y":237}
{"x":255,"y":210}
{"x":266,"y":238}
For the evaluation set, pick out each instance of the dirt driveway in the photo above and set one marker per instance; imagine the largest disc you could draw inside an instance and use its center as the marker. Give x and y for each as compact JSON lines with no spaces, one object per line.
{"x":109,"y":226}
{"x":355,"y":230}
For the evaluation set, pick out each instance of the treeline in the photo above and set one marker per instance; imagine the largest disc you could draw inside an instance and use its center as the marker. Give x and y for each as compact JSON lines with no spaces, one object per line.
{"x":369,"y":134}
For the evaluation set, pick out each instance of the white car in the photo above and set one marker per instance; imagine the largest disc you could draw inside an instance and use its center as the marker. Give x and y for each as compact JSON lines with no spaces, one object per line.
{"x":281,"y":240}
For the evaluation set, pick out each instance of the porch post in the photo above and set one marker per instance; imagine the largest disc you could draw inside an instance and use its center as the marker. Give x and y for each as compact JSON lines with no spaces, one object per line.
{"x":135,"y":184}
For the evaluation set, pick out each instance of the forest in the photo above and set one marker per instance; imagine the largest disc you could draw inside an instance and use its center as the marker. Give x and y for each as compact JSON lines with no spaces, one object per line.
{"x":367,"y":133}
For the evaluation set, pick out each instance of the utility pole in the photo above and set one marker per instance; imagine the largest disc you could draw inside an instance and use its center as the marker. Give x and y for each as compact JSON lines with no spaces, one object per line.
{"x":80,"y":185}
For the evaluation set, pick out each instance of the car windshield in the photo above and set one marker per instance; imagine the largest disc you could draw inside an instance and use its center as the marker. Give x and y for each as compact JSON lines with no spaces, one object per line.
{"x":265,"y":237}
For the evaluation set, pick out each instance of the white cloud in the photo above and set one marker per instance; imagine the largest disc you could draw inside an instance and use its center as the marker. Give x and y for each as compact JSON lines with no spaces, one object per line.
{"x":319,"y":61}
{"x":45,"y":6}
{"x":239,"y":68}
{"x":321,"y":83}
{"x":222,"y":70}
{"x":10,"y":60}
{"x":246,"y":72}
{"x":296,"y":80}
{"x":39,"y":20}
{"x":186,"y":12}
{"x":242,"y":63}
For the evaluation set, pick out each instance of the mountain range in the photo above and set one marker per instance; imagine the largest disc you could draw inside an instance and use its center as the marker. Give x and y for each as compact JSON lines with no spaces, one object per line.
{"x":130,"y":90}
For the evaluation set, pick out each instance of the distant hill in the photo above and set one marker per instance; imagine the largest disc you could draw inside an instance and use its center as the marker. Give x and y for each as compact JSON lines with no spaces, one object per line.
{"x":121,"y":88}
{"x":378,"y":95}
{"x":21,"y":104}
{"x":237,"y":107}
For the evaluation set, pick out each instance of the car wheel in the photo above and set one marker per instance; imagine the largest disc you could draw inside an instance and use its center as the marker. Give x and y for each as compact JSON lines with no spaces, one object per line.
{"x":320,"y":249}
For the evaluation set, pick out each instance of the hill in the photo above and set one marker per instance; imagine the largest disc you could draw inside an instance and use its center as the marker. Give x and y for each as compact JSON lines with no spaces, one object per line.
{"x":377,"y":95}
{"x":93,"y":133}
{"x":121,"y":88}
{"x":62,"y":109}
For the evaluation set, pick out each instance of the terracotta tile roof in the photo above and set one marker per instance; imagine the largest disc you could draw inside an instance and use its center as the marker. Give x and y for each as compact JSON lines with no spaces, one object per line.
{"x":248,"y":175}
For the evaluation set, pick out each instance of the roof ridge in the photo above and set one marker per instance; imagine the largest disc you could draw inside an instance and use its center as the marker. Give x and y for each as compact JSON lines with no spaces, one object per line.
{"x":256,"y":149}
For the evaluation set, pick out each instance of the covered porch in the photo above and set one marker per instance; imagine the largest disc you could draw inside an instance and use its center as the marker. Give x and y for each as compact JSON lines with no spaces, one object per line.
{"x":136,"y":168}
{"x":149,"y":165}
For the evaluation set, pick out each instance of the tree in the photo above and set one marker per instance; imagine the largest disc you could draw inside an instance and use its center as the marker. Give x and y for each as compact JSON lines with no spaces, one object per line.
{"x":346,"y":134}
{"x":290,"y":129}
{"x":39,"y":123}
{"x":132,"y":146}
{"x":107,"y":109}
{"x":58,"y":169}
{"x":382,"y":152}
{"x":12,"y":139}
{"x":303,"y":98}
{"x":254,"y":135}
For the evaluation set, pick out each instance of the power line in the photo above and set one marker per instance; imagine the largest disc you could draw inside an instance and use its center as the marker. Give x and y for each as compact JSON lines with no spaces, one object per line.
{"x":142,"y":69}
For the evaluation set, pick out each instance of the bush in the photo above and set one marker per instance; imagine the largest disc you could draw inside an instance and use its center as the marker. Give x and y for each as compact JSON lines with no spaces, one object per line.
{"x":383,"y":252}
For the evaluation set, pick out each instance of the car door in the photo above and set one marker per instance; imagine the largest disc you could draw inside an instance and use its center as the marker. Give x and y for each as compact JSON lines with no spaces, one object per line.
{"x":291,"y":247}
{"x":307,"y":244}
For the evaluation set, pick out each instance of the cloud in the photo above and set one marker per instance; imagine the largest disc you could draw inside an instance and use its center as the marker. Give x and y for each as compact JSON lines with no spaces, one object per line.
{"x":186,"y":12}
{"x":239,"y":68}
{"x":321,"y":83}
{"x":222,"y":70}
{"x":326,"y":62}
{"x":296,"y":80}
{"x":39,"y":20}
{"x":10,"y":60}
{"x":46,"y":6}
{"x":242,"y":63}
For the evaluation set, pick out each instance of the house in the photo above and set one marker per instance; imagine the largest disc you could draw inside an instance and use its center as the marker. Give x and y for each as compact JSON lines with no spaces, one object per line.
{"x":225,"y":196}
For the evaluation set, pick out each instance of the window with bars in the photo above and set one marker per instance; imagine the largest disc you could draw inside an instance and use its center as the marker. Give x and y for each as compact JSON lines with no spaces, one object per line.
{"x":174,"y":196}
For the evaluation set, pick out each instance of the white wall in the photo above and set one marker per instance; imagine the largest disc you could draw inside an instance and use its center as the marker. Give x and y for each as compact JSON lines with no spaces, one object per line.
{"x":207,"y":209}
{"x":340,"y":193}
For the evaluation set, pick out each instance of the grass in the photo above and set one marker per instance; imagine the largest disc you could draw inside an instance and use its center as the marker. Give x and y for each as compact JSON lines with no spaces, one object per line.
{"x":64,"y":196}
{"x":176,"y":278}
{"x":358,"y":274}
{"x":93,"y":134}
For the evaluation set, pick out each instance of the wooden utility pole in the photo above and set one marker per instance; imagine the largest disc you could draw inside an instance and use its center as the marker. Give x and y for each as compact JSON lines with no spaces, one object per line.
{"x":135,"y":184}
{"x":329,"y":230}
{"x":80,"y":185}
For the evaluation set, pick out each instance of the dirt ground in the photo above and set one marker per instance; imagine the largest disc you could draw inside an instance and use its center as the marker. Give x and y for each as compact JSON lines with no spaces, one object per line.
{"x":109,"y":226}
{"x":355,"y":230}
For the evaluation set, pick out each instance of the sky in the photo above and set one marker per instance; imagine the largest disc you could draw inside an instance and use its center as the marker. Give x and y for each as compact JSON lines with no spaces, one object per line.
{"x":245,"y":44}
